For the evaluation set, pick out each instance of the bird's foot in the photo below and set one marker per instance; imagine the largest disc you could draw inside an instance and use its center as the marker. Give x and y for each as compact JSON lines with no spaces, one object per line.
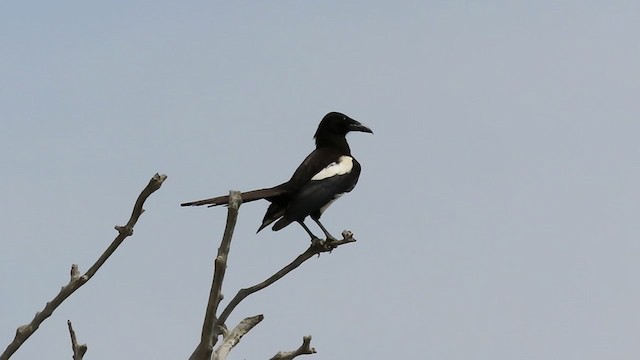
{"x":330,"y":243}
{"x":326,"y":245}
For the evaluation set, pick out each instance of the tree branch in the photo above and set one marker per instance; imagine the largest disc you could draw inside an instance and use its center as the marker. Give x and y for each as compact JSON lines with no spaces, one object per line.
{"x":210,"y":330}
{"x":316,"y":248}
{"x":25,"y":331}
{"x":78,"y":349}
{"x":233,"y":337}
{"x":304,"y":349}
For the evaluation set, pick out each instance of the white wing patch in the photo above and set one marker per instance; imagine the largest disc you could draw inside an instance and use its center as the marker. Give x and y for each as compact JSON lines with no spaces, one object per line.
{"x":341,"y":167}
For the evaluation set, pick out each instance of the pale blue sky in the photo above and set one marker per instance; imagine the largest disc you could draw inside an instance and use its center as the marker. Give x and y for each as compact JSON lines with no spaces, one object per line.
{"x":496,"y":211}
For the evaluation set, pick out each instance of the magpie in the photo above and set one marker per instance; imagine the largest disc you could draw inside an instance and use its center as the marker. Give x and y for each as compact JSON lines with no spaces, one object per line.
{"x":326,"y":174}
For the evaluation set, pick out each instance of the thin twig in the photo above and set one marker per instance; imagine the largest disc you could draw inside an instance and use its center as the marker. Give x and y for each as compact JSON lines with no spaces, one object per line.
{"x":233,"y":337}
{"x":25,"y":331}
{"x":316,"y":248}
{"x":78,"y":349}
{"x":304,"y":349}
{"x":210,"y":332}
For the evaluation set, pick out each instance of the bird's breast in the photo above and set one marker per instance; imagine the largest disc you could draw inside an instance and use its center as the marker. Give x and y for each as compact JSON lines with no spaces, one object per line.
{"x":335,"y":197}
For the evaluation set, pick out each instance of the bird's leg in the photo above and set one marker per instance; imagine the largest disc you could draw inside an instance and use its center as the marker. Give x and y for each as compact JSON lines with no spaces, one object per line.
{"x":326,"y":233}
{"x":314,"y":239}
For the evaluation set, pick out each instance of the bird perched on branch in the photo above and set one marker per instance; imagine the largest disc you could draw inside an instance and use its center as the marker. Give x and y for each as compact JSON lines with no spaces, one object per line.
{"x":327,"y":173}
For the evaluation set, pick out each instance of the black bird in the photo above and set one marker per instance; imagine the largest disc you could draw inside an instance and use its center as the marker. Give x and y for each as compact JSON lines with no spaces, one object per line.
{"x":327,"y":173}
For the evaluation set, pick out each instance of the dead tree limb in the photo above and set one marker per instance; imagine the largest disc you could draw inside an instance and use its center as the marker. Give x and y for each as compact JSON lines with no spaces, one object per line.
{"x":25,"y":331}
{"x":232,"y":338}
{"x":213,"y":326}
{"x":304,"y":349}
{"x":210,"y":332}
{"x":78,"y":349}
{"x":316,"y":248}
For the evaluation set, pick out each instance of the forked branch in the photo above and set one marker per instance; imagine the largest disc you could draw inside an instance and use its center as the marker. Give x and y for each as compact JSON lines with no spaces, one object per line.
{"x":315,"y":248}
{"x":214,"y":326}
{"x":78,"y":349}
{"x":304,"y":349}
{"x":76,"y":281}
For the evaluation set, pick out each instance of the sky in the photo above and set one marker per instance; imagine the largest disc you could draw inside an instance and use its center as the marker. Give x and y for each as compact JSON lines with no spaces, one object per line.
{"x":496,"y":212}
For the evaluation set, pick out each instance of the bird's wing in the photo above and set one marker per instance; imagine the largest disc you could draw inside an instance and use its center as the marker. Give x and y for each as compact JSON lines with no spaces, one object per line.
{"x":311,"y":166}
{"x":326,"y":186}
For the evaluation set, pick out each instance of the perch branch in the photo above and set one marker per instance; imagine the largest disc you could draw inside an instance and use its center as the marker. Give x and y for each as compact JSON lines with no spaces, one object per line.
{"x":210,"y":330}
{"x":304,"y":349}
{"x":233,"y":337}
{"x":316,"y":248}
{"x":25,"y":331}
{"x":78,"y":349}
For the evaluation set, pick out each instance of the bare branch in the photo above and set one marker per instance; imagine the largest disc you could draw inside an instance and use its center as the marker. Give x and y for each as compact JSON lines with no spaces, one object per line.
{"x":78,"y":349}
{"x":316,"y":248}
{"x":304,"y":349}
{"x":25,"y":331}
{"x":210,"y":328}
{"x":233,"y":337}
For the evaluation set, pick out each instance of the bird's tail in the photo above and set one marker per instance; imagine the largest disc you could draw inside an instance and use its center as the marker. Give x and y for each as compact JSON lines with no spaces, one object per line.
{"x":246,"y":197}
{"x":281,"y":224}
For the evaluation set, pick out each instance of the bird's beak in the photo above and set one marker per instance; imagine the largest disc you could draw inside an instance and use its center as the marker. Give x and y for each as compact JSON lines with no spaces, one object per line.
{"x":356,"y":126}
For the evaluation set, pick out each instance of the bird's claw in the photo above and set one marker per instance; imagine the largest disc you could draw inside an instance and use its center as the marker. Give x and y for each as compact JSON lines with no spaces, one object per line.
{"x":326,"y":245}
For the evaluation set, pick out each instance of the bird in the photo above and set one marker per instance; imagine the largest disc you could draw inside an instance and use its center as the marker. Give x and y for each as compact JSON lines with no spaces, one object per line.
{"x":326,"y":173}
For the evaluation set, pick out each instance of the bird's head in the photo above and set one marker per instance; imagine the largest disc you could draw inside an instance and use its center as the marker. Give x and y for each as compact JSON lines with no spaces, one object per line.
{"x":335,"y":123}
